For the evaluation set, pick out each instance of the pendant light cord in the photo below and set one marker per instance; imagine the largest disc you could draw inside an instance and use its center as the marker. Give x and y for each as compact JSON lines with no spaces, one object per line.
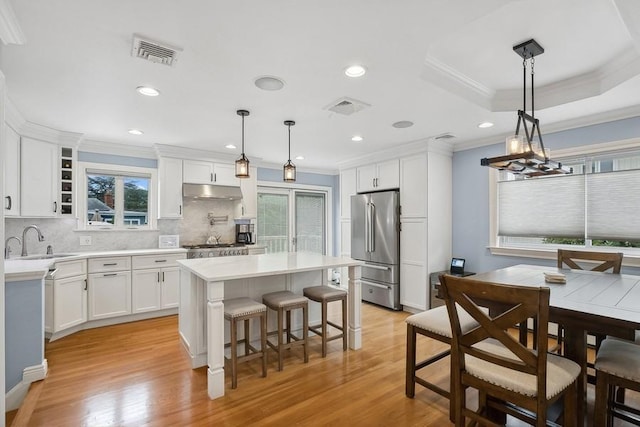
{"x":243,"y":135}
{"x":289,"y":126}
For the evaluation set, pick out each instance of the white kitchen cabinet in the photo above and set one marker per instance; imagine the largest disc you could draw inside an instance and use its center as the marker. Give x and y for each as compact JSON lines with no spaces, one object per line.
{"x":379,"y":176}
{"x":249,"y":188}
{"x":413,"y":185}
{"x":109,"y":294}
{"x":170,"y":188}
{"x":38,"y":178}
{"x":66,"y":296}
{"x":155,"y":282}
{"x":347,"y":189}
{"x":202,"y":172}
{"x":11,"y":173}
{"x":414,"y":283}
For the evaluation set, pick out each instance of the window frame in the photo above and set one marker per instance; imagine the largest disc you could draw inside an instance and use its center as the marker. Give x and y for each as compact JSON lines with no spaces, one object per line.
{"x":87,"y":168}
{"x":549,"y":251}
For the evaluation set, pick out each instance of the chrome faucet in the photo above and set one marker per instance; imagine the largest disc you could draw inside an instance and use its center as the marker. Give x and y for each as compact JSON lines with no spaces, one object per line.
{"x":24,"y":238}
{"x":7,"y":249}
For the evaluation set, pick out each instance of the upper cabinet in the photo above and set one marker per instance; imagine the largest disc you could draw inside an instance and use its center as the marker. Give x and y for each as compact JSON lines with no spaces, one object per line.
{"x":170,"y":188}
{"x":249,"y":187}
{"x":413,"y":185}
{"x":11,"y":161}
{"x":38,"y":178}
{"x":379,"y":176}
{"x":347,"y":189}
{"x":201,"y":172}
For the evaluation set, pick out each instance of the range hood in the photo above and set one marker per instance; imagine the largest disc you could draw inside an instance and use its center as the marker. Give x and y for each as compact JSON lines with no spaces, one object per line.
{"x":210,"y":191}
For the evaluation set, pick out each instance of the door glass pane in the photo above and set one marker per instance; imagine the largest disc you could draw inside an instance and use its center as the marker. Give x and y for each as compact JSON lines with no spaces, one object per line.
{"x":273,"y":222}
{"x":136,"y":201}
{"x":310,"y":222}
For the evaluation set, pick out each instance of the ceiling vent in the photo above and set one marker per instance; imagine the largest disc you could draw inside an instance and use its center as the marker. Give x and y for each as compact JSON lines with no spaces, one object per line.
{"x":347,"y":106}
{"x":153,"y":51}
{"x":445,"y":136}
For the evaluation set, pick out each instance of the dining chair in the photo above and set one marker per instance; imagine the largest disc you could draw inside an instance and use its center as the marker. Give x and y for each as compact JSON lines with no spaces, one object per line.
{"x":604,"y":262}
{"x":511,"y":379}
{"x":617,"y":368}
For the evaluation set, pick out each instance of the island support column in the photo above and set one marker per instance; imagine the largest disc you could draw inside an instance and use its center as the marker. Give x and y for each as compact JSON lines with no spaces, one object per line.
{"x":215,"y":339}
{"x":355,"y":308}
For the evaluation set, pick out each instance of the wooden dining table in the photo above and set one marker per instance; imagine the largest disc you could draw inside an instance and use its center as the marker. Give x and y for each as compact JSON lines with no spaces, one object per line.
{"x":590,"y":301}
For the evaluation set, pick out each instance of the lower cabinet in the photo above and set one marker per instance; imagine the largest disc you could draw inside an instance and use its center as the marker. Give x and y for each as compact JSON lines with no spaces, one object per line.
{"x":66,"y":296}
{"x":109,"y":294}
{"x":155,"y":289}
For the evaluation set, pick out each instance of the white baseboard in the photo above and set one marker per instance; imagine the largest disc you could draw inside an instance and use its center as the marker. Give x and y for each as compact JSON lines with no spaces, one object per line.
{"x":15,"y":396}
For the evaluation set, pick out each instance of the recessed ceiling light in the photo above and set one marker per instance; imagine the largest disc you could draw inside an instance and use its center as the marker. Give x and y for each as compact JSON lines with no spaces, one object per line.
{"x":485,"y":125}
{"x":356,"y":138}
{"x":355,"y":71}
{"x":269,"y":83}
{"x":147,"y":91}
{"x":230,"y":146}
{"x":402,"y":124}
{"x":299,"y":157}
{"x":135,"y":132}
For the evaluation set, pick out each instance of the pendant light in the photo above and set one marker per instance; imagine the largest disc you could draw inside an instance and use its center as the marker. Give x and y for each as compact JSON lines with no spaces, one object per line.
{"x":525,"y":156}
{"x":242,"y":164}
{"x":289,"y":171}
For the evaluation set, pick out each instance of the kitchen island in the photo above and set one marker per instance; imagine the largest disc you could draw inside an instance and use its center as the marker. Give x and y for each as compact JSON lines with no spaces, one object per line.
{"x":206,"y":282}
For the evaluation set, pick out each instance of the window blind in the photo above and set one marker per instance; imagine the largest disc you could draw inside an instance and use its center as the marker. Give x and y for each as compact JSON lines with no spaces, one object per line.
{"x":543,"y":207}
{"x":613,"y":205}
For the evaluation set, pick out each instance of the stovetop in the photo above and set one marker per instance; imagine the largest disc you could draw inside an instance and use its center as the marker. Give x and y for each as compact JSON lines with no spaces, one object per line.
{"x":214,"y":246}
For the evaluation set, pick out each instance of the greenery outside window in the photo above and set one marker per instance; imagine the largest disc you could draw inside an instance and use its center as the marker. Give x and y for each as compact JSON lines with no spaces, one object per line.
{"x":117,"y":197}
{"x":594,"y":208}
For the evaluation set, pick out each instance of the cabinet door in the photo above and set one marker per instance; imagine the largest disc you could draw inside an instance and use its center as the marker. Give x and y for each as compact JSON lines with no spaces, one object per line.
{"x":388,"y":175}
{"x":109,"y":294}
{"x":413,"y":186}
{"x":366,"y":178}
{"x":347,"y":189}
{"x":414,"y":281}
{"x":48,"y":306}
{"x":170,"y":287}
{"x":69,"y":302}
{"x":170,"y":188}
{"x":12,"y":173}
{"x":226,"y":175}
{"x":145,"y":290}
{"x":197,"y":172}
{"x":38,"y":178}
{"x":249,"y":188}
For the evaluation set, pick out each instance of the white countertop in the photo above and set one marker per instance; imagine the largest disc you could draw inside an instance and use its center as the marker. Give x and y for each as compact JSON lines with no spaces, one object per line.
{"x":240,"y":267}
{"x":16,"y":269}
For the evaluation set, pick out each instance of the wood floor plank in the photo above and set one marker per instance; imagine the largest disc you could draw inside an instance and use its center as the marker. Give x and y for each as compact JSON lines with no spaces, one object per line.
{"x":138,"y":374}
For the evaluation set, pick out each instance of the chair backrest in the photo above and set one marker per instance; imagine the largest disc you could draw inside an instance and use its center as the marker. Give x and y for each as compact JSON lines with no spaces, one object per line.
{"x":513,"y":304}
{"x":608,"y":260}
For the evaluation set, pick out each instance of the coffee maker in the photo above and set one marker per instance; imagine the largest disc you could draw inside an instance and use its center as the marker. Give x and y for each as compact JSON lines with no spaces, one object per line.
{"x":244,"y":234}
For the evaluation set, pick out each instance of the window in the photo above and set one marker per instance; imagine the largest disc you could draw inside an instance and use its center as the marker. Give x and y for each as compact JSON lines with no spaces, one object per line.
{"x":595,"y":207}
{"x":117,"y":197}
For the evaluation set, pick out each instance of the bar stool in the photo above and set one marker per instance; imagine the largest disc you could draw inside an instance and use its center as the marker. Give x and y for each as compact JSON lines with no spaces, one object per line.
{"x":283,"y":302}
{"x":324,"y":295}
{"x":245,"y":309}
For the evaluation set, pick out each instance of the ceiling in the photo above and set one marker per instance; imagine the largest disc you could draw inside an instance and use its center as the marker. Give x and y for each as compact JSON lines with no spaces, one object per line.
{"x":446,"y":65}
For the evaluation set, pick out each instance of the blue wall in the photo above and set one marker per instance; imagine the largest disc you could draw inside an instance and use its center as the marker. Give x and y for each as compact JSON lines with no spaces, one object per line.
{"x":471,"y":192}
{"x":24,"y":328}
{"x":306,"y":178}
{"x":113,"y":159}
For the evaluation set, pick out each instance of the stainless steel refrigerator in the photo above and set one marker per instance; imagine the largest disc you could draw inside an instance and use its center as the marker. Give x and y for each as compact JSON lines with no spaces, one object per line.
{"x":375,"y":239}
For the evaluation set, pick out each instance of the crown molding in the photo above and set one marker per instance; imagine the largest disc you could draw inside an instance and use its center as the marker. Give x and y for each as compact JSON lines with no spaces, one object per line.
{"x":163,"y":150}
{"x":12,"y":116}
{"x":593,"y":119}
{"x":44,"y":133}
{"x":277,"y":166}
{"x":10,"y":31}
{"x":116,"y":149}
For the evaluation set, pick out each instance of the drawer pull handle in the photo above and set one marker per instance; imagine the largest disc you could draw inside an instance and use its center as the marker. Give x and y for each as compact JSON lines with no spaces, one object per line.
{"x":161,"y":260}
{"x":109,"y":274}
{"x":110,"y":264}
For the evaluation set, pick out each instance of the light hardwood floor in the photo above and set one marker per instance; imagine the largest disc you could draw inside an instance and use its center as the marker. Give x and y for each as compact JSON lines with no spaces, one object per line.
{"x":137,"y":374}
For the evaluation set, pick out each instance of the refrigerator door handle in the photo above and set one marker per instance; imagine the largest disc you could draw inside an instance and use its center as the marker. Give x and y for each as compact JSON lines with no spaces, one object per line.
{"x":372,"y":227}
{"x":377,"y":267}
{"x":375,"y":285}
{"x":367,"y":228}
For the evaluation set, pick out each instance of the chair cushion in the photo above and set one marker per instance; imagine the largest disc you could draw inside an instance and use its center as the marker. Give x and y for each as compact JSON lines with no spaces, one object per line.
{"x":283,"y":299}
{"x":436,"y":320}
{"x":619,"y":358}
{"x":324,"y":293}
{"x":236,"y":307}
{"x":561,"y":372}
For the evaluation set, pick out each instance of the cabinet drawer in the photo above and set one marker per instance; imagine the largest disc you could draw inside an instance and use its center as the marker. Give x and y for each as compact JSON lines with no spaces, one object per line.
{"x":155,"y":261}
{"x":70,"y":268}
{"x":99,"y":265}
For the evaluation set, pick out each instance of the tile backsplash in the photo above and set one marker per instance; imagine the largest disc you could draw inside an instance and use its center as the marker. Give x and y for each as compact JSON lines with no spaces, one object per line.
{"x":194,"y":227}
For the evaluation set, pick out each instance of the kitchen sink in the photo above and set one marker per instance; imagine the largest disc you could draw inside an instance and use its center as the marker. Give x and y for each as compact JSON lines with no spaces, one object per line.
{"x":45,"y":256}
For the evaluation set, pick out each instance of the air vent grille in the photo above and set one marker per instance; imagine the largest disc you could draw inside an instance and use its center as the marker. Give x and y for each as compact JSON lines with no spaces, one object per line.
{"x":154,"y":51}
{"x":445,"y":136}
{"x":347,"y":106}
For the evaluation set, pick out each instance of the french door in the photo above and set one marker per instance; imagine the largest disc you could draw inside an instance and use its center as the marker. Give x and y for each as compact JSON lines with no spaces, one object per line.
{"x":291,"y":220}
